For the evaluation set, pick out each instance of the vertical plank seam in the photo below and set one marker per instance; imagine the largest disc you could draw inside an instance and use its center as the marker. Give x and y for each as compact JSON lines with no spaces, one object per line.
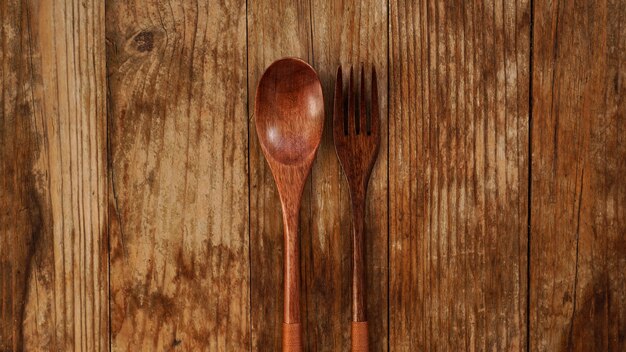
{"x":110,"y":183}
{"x":530,"y":164}
{"x":109,"y":173}
{"x":580,"y":200}
{"x":389,"y":29}
{"x":249,"y":194}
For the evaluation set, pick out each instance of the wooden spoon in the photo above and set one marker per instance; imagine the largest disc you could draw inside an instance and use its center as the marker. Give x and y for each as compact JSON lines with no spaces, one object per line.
{"x":289,"y":112}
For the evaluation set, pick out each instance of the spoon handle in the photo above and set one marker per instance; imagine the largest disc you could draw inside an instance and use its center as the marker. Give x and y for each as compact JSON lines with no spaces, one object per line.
{"x":292,"y":332}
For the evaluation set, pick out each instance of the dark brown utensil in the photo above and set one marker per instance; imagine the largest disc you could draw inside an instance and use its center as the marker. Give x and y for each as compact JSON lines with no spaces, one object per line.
{"x":289,"y":112}
{"x":356,"y":143}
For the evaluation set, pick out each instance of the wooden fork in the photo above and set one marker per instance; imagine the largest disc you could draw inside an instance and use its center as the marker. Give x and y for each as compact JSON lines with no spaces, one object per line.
{"x":356,"y":143}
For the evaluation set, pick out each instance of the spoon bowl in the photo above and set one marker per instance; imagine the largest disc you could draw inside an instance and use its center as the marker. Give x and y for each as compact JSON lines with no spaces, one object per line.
{"x":289,"y":113}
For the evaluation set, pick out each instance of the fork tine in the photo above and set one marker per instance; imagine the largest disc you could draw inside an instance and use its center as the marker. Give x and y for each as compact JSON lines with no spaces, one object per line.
{"x":351,"y":105}
{"x":375,"y":115}
{"x":338,"y":115}
{"x":362,"y":122}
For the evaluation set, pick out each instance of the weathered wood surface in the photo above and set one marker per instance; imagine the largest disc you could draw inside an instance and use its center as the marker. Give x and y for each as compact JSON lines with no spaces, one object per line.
{"x":179,"y":202}
{"x":578,"y":207}
{"x":319,"y":36}
{"x":275,"y":29}
{"x":357,"y":37}
{"x":458,"y":175}
{"x":495,"y":220}
{"x":53,"y":190}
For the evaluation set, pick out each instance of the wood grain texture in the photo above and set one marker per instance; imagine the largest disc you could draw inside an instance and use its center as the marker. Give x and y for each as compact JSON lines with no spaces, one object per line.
{"x":356,"y":143}
{"x":347,"y":33}
{"x":318,"y":35}
{"x":172,"y":176}
{"x":458,"y":169}
{"x":578,"y":212}
{"x":275,"y":30}
{"x":53,"y":184}
{"x":356,"y":136}
{"x":289,"y":120}
{"x":177,"y":110}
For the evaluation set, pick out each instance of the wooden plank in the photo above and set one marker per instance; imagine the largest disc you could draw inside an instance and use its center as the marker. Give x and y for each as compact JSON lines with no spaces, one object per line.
{"x":275,"y":29}
{"x":325,"y":40}
{"x":349,"y":34}
{"x":53,"y":184}
{"x":179,"y":243}
{"x":578,"y":247}
{"x":458,"y":141}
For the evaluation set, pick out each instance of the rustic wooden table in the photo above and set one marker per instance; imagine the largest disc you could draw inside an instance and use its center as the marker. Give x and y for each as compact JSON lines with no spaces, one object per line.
{"x":137,"y":212}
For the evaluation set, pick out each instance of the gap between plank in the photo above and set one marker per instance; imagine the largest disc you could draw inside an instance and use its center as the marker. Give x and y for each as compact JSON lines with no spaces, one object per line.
{"x":530,"y":165}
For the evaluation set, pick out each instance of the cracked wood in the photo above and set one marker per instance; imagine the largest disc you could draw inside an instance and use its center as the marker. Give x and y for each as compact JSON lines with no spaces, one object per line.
{"x":177,"y":131}
{"x":458,"y":175}
{"x":53,"y":188}
{"x":193,"y":266}
{"x":578,"y":208}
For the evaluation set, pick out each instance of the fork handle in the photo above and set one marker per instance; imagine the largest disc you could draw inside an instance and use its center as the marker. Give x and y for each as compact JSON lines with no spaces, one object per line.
{"x":360,"y":341}
{"x":359,"y":317}
{"x":358,"y":259}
